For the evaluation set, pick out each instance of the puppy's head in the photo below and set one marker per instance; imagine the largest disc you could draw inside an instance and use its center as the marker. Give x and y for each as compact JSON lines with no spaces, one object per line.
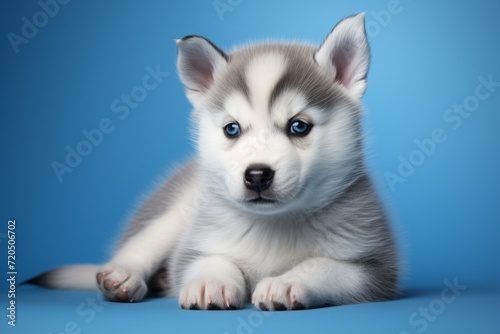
{"x":278,"y":124}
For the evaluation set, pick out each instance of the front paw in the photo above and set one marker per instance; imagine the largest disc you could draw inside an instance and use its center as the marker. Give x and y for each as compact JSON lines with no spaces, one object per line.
{"x":121,"y":285}
{"x":211,"y":294}
{"x":279,"y":294}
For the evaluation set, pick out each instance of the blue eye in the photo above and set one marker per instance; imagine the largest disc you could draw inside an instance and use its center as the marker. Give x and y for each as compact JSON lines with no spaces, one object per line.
{"x":299,"y":128}
{"x":232,"y":130}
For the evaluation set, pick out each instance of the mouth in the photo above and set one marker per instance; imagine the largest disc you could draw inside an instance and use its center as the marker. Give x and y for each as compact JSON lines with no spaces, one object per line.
{"x":262,"y":200}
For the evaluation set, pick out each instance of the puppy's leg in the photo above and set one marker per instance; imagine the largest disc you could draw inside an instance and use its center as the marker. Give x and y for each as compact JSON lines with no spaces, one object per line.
{"x":124,"y":277}
{"x":213,"y":283}
{"x":314,"y":283}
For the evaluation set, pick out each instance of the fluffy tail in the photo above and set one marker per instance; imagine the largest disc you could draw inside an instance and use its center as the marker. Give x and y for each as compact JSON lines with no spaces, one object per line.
{"x":75,"y":277}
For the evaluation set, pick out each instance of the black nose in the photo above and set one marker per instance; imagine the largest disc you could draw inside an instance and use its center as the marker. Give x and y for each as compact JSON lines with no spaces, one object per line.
{"x":258,"y":177}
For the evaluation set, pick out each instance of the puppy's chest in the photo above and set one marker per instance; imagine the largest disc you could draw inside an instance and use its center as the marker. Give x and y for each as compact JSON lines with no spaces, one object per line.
{"x":262,"y":248}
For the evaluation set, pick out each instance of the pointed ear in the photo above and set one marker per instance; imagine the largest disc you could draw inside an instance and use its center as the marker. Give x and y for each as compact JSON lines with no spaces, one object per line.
{"x":197,"y":61}
{"x":345,"y":54}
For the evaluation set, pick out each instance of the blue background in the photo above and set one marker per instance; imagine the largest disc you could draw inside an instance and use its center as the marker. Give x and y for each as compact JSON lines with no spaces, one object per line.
{"x":426,"y":57}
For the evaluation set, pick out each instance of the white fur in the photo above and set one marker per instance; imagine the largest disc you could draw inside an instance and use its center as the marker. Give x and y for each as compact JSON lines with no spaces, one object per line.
{"x":262,"y":74}
{"x":213,"y":280}
{"x":314,"y":281}
{"x":261,"y":142}
{"x":143,"y":252}
{"x":80,"y":277}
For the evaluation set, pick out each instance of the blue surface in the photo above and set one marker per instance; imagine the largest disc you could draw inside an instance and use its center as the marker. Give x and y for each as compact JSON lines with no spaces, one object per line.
{"x":70,"y":77}
{"x":47,"y":311}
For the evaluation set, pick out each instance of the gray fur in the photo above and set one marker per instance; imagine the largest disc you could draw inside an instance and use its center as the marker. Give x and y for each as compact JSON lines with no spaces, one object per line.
{"x":304,"y":74}
{"x":161,"y":200}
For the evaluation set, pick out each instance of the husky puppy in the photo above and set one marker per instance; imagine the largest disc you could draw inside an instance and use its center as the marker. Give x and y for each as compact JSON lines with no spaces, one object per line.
{"x":276,"y":208}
